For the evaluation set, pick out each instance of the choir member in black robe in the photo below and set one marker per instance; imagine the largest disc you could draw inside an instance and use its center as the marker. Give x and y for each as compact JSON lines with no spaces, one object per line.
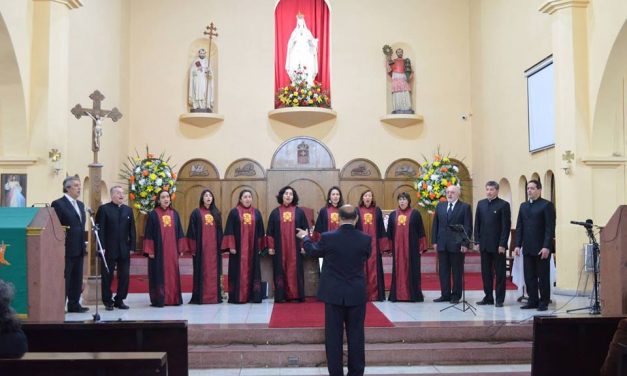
{"x":204,"y":235}
{"x":244,"y":238}
{"x":286,"y":247}
{"x":164,"y":241}
{"x":328,"y":217}
{"x":406,"y":234}
{"x":371,"y":222}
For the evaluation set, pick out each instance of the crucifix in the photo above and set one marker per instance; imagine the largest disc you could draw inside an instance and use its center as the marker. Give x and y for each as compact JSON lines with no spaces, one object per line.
{"x":96,"y":114}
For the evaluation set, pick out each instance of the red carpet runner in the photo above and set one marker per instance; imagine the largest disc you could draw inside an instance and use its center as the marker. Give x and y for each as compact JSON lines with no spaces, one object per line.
{"x":430,"y":282}
{"x":310,"y":314}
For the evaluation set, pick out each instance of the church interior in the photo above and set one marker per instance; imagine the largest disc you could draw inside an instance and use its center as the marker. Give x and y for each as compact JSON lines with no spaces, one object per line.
{"x":469,"y":101}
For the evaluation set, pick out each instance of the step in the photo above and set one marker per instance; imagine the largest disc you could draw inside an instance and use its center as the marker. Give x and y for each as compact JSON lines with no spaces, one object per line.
{"x":410,"y":333}
{"x":400,"y":354}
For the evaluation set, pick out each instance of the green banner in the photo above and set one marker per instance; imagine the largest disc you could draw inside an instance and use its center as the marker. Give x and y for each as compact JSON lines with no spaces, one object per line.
{"x":13,"y":261}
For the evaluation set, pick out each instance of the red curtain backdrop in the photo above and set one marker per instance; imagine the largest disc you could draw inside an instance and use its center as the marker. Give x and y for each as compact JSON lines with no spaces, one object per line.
{"x":317,"y":19}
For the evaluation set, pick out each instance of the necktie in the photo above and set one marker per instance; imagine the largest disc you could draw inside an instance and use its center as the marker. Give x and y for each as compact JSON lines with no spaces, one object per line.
{"x":449,"y":211}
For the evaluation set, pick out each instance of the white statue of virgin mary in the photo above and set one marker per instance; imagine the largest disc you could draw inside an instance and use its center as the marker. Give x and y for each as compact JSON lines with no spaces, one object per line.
{"x":302,"y":52}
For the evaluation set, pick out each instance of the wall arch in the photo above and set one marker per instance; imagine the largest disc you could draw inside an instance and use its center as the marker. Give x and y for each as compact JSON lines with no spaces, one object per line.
{"x":13,"y":125}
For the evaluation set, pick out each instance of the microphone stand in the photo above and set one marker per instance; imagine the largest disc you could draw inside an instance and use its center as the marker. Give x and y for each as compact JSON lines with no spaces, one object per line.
{"x":595,"y":308}
{"x":100,"y":251}
{"x":465,"y":305}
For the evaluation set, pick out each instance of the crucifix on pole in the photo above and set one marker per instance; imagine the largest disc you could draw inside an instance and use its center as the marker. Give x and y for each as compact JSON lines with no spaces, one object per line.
{"x":97,"y":115}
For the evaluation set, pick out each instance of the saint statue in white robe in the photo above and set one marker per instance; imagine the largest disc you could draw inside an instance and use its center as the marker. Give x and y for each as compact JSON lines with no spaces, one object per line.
{"x":200,"y":95}
{"x":302,"y":53}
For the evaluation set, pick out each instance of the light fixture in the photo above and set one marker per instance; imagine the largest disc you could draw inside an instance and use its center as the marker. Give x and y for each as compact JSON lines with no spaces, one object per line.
{"x":55,"y":158}
{"x":567,"y":162}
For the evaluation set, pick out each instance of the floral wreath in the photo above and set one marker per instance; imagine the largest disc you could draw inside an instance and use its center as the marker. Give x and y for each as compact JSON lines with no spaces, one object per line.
{"x":146,"y":178}
{"x":433,"y":180}
{"x":300,"y":94}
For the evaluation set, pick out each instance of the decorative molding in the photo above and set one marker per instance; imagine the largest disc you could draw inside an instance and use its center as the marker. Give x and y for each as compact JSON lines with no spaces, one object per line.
{"x":17,"y":161}
{"x":553,"y":6}
{"x":302,"y":116}
{"x":70,"y":4}
{"x":402,"y":120}
{"x":609,"y":161}
{"x":201,"y":119}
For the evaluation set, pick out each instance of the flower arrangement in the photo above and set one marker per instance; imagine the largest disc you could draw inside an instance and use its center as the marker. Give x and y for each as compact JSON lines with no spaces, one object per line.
{"x":146,"y":178}
{"x":300,"y":94}
{"x":433,"y":180}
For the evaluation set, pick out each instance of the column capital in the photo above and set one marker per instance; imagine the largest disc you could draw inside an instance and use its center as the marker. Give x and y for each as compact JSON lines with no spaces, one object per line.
{"x":553,"y":6}
{"x":70,"y":4}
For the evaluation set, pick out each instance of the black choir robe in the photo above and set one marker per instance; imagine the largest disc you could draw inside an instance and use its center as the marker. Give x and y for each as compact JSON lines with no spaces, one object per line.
{"x":328,"y":220}
{"x":244,"y":232}
{"x":204,"y":236}
{"x":164,"y":238}
{"x":289,"y":276}
{"x":371,"y":222}
{"x":406,"y":234}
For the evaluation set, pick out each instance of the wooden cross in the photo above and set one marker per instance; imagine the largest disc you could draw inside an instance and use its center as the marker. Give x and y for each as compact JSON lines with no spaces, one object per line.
{"x":96,"y":114}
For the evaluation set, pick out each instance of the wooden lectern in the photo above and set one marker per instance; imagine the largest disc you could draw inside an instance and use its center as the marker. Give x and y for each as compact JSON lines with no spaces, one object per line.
{"x":613,"y":260}
{"x":32,"y":258}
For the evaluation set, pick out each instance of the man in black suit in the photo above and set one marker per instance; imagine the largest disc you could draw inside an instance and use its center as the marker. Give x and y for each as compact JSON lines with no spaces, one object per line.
{"x":71,"y":213}
{"x":492,"y":225}
{"x":343,"y":289}
{"x":535,"y":230}
{"x":116,"y":226}
{"x":447,"y":241}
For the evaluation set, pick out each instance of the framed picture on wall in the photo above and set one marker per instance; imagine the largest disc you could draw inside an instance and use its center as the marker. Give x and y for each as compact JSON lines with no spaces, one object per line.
{"x":13,"y":192}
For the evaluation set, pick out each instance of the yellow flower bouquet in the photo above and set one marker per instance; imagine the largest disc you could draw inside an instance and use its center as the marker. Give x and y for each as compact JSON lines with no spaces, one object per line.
{"x":147,"y":177}
{"x":435,"y":176}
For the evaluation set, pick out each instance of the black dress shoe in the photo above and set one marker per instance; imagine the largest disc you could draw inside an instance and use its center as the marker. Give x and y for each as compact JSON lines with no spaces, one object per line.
{"x":497,"y":304}
{"x":120,"y":305}
{"x":529,"y":306}
{"x":441,"y":299}
{"x":543,"y":307}
{"x":109,"y":306}
{"x":77,"y":309}
{"x":485,"y":302}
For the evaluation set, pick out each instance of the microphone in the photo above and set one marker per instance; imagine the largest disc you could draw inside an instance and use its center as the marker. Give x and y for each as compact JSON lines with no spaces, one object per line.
{"x":586,"y":224}
{"x":457,"y":227}
{"x":90,"y":211}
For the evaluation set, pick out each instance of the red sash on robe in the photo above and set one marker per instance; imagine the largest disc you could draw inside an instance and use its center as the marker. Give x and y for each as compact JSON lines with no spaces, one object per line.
{"x":401,"y":254}
{"x":209,"y":250}
{"x":170,"y":256}
{"x":247,"y":243}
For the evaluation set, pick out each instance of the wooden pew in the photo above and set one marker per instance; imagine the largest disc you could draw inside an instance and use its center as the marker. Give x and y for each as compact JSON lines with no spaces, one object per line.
{"x":87,"y":363}
{"x":571,"y":345}
{"x":113,"y":336}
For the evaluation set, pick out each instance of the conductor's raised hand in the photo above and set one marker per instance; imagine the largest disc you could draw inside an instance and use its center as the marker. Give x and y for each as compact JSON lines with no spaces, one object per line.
{"x":300,"y":233}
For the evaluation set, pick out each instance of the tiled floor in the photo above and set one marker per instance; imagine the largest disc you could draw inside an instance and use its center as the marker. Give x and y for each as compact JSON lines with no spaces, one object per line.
{"x":225,"y":313}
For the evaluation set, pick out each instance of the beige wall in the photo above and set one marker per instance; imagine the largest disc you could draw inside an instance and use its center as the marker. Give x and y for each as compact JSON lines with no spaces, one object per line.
{"x":468,"y":56}
{"x":160,"y":57}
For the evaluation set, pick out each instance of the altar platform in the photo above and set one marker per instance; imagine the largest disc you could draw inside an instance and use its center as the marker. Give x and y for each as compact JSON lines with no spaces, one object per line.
{"x":230,"y":339}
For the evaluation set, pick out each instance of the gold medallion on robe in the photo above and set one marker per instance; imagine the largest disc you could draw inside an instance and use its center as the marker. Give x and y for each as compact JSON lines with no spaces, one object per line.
{"x":335,"y":218}
{"x":167,"y":221}
{"x":368,"y":218}
{"x":247,"y":218}
{"x":287,"y":217}
{"x":209,"y":219}
{"x":402,"y":220}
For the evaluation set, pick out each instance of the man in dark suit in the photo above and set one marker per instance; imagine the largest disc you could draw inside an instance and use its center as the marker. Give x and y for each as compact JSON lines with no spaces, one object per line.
{"x":343,"y":289}
{"x":116,"y":226}
{"x":492,"y":225}
{"x":535,"y":230}
{"x":71,"y":213}
{"x":447,"y":241}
